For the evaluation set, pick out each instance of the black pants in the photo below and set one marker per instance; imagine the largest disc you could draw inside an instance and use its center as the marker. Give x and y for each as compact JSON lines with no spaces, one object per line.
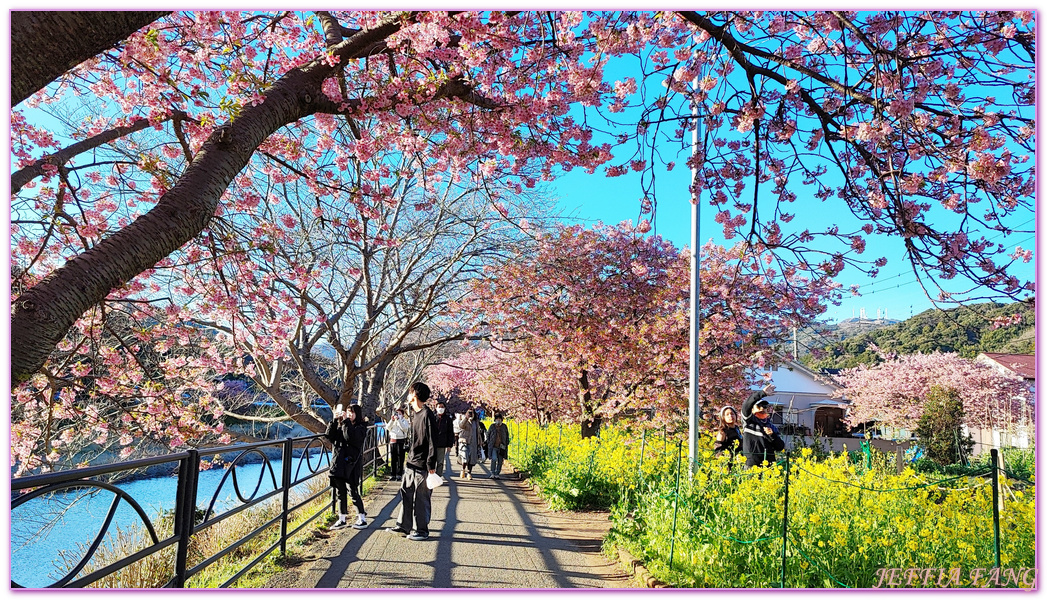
{"x":399,"y":449}
{"x":415,"y":503}
{"x":353,"y":482}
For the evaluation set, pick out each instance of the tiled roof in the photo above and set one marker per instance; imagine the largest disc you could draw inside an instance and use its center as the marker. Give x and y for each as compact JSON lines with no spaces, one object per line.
{"x":1022,"y":364}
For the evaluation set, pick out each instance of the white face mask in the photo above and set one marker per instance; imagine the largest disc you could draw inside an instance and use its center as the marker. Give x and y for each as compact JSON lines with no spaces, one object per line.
{"x":440,"y":410}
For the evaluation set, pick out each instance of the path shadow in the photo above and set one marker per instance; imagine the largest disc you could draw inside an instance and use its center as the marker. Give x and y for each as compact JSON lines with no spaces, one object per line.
{"x":542,"y":538}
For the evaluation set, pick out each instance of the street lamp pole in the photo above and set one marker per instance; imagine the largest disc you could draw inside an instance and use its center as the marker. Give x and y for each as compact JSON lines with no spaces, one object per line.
{"x":693,"y":402}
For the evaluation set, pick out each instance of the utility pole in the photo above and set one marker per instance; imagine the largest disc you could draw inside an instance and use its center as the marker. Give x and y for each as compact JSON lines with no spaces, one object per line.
{"x":796,"y":350}
{"x":693,"y":402}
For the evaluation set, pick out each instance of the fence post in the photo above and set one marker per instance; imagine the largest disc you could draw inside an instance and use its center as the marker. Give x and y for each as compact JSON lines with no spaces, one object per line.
{"x":676,"y":502}
{"x":559,"y":439}
{"x":643,"y":446}
{"x":185,"y":512}
{"x":286,"y":496}
{"x":785,"y":518}
{"x":374,"y":457}
{"x":994,"y":454}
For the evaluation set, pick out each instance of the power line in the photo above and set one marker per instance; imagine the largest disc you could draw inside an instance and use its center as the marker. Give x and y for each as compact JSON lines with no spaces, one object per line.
{"x":998,"y":235}
{"x":912,"y":281}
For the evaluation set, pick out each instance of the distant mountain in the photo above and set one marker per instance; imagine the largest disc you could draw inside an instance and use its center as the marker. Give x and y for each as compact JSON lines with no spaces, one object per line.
{"x":965,"y":330}
{"x":852,"y":327}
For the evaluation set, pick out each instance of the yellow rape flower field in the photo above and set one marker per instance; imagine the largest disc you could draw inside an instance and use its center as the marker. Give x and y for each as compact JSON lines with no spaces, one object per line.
{"x":848,"y":525}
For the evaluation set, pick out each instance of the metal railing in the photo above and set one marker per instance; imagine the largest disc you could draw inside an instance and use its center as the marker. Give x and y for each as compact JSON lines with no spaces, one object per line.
{"x":189,"y":518}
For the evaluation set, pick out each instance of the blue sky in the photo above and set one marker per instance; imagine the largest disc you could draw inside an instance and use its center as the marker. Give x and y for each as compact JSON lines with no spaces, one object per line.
{"x":894,"y":292}
{"x":588,"y":198}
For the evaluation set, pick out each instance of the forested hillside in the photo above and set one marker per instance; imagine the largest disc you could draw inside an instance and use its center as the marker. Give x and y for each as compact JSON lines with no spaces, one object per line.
{"x":966,"y":331}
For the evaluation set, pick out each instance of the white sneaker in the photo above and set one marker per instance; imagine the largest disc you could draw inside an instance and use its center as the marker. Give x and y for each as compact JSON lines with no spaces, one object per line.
{"x":341,"y":522}
{"x":361,"y":522}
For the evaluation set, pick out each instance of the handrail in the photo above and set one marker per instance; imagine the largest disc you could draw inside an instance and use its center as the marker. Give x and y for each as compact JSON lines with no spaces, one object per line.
{"x":32,"y":481}
{"x":187,"y":522}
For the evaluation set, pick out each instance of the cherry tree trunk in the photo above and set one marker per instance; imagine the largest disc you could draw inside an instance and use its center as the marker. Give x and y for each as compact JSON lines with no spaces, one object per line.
{"x":590,"y":422}
{"x":42,"y":315}
{"x":371,"y":389}
{"x":45,"y":44}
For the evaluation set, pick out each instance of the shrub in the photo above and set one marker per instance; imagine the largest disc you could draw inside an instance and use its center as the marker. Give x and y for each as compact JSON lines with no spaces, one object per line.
{"x":940,"y":429}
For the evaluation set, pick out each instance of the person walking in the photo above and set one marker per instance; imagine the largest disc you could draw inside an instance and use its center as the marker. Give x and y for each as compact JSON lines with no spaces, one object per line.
{"x":470,"y":440}
{"x":457,"y":429}
{"x":444,"y":436}
{"x":415,"y":494}
{"x":398,"y":428}
{"x":760,"y":439}
{"x":347,"y":432}
{"x":497,"y":444}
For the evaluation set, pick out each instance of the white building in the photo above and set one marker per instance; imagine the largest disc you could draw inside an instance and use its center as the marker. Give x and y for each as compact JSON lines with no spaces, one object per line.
{"x":1021,"y":433}
{"x":802,"y":401}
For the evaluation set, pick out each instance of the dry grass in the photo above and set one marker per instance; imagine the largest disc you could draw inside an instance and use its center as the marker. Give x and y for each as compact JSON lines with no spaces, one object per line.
{"x":157,"y":569}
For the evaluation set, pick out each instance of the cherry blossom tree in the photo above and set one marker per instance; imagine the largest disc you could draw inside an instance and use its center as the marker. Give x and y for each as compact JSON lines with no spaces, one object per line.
{"x":599,"y":322}
{"x":369,"y":286}
{"x":127,"y":374}
{"x":45,"y":44}
{"x":413,"y":77}
{"x":507,"y":380}
{"x":893,"y":392}
{"x":920,"y":123}
{"x":900,"y":116}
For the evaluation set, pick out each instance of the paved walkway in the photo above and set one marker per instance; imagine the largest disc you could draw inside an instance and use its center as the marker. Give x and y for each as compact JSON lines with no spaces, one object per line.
{"x":483,"y":533}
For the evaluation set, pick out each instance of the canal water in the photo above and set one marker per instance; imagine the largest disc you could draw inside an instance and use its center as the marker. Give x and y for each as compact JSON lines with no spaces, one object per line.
{"x":50,"y":534}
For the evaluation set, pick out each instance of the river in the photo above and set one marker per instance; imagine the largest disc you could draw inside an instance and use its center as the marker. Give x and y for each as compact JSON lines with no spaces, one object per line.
{"x":74,"y":518}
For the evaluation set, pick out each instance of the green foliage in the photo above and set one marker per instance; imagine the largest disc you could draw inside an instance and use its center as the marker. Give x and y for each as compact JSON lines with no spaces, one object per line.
{"x":940,"y":428}
{"x":966,"y":330}
{"x":1020,"y":463}
{"x":848,"y":515}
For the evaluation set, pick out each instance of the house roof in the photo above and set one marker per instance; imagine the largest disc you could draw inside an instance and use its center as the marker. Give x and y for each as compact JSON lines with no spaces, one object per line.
{"x":822,"y":378}
{"x":1022,"y":364}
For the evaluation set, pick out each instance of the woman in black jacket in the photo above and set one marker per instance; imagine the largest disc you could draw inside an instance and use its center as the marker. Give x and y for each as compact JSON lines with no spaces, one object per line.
{"x":347,"y":433}
{"x":728,"y":435}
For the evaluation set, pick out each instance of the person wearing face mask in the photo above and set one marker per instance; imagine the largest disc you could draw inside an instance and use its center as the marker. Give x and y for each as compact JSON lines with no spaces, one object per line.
{"x":497,"y":444}
{"x":347,"y":432}
{"x":398,"y":428}
{"x":443,"y":435}
{"x":760,"y":438}
{"x":470,"y":439}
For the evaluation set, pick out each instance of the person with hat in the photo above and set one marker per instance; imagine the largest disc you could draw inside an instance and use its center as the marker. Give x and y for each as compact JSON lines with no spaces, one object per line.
{"x":760,"y":439}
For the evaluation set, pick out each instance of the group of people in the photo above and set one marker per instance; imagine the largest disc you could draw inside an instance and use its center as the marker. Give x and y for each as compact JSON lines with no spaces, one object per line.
{"x":419,"y":440}
{"x":754,"y":434}
{"x":421,"y":437}
{"x":465,"y":433}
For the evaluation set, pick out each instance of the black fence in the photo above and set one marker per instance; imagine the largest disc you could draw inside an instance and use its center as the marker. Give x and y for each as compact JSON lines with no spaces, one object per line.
{"x":191,"y":515}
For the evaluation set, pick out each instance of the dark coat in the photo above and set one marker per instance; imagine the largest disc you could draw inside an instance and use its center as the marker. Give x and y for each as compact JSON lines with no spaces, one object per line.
{"x":444,"y":431}
{"x":498,"y":436}
{"x":757,"y":445}
{"x":421,"y":441}
{"x":348,"y":442}
{"x":732,"y":440}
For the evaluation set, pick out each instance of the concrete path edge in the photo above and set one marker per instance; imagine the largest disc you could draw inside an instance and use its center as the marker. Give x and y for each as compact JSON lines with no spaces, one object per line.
{"x":632,"y":565}
{"x":636,"y":568}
